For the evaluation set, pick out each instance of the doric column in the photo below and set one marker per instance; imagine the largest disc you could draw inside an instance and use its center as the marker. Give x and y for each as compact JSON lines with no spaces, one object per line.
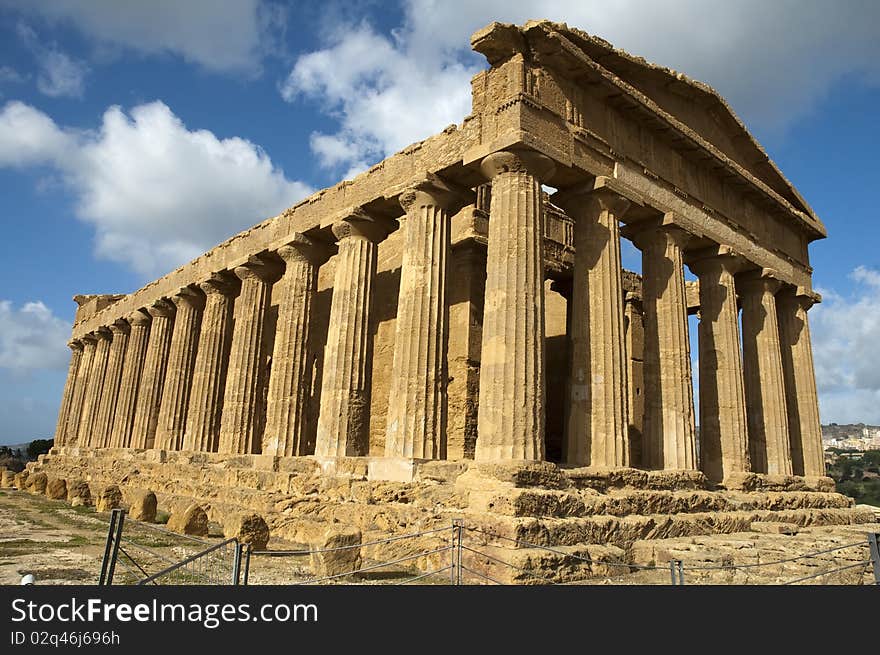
{"x":189,"y":304}
{"x":344,"y":421}
{"x":669,"y":435}
{"x":90,"y":342}
{"x":76,"y":351}
{"x":132,"y":368}
{"x":209,"y":374}
{"x":723,"y":427}
{"x":416,"y":419}
{"x":767,"y":416}
{"x":289,"y":384}
{"x":510,"y":424}
{"x":634,"y":341}
{"x":242,"y":399}
{"x":598,"y":422}
{"x":112,"y":381}
{"x":800,"y":381}
{"x":92,"y":399}
{"x":146,"y":413}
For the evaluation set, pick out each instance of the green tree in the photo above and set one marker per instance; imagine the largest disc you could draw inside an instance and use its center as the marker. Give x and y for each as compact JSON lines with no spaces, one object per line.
{"x":39,"y":447}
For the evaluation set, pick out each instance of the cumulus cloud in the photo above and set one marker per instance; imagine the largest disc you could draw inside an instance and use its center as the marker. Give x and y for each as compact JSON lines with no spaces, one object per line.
{"x":58,"y":74}
{"x":157,"y":193}
{"x":32,"y":338}
{"x":232,"y":36}
{"x":846,"y":330}
{"x":773,"y":61}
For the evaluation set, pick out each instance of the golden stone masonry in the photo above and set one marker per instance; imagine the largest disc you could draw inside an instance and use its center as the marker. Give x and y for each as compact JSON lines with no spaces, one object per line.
{"x":440,"y":324}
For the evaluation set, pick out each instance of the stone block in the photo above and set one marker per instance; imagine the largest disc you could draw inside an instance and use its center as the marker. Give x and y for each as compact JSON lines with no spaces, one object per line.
{"x":336,"y":551}
{"x":394,"y":469}
{"x":36,"y":483}
{"x":142,"y":505}
{"x":110,"y":498}
{"x":774,"y":527}
{"x":7,"y":479}
{"x":248,"y":529}
{"x":56,"y":488}
{"x":192,"y":521}
{"x":78,"y":493}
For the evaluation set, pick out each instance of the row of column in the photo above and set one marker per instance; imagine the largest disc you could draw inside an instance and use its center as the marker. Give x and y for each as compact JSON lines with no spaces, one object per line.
{"x":188,"y":372}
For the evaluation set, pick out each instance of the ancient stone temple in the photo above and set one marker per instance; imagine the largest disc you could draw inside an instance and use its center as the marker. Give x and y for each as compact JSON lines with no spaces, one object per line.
{"x":464,"y":301}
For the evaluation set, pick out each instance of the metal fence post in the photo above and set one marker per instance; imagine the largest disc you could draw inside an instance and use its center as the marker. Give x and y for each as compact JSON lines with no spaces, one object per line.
{"x":874,"y":544}
{"x":455,"y":573}
{"x":680,"y":572}
{"x":247,"y":565}
{"x":111,"y":548}
{"x":236,"y":564}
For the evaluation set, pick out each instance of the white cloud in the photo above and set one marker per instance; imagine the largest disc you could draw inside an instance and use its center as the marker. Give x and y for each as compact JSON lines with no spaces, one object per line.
{"x":772,"y":60}
{"x":32,"y":338}
{"x":157,"y":193}
{"x":58,"y":74}
{"x":846,"y":330}
{"x":228,"y":36}
{"x":9,"y":75}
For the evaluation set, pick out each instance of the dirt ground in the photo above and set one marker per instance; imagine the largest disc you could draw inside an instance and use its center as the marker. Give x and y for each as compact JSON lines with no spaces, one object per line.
{"x":59,"y":544}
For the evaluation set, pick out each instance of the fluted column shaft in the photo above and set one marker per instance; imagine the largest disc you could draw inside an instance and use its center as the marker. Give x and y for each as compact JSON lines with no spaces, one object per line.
{"x":92,"y":399}
{"x":112,"y":380}
{"x":289,"y":384}
{"x":181,"y":361}
{"x":805,"y":431}
{"x":723,"y":427}
{"x":510,"y":422}
{"x":669,"y":398}
{"x":764,"y":381}
{"x":146,"y":414}
{"x":90,"y":342}
{"x":417,"y":398}
{"x":598,"y":420}
{"x":209,"y":374}
{"x":132,"y":369}
{"x":76,"y":351}
{"x":344,"y":421}
{"x":242,"y":399}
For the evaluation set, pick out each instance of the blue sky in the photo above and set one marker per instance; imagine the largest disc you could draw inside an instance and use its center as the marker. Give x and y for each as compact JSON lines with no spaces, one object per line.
{"x":134,"y":136}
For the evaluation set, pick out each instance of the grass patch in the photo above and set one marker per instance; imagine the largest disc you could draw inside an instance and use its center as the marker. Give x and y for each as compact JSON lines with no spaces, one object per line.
{"x":21,"y":547}
{"x":162,"y":516}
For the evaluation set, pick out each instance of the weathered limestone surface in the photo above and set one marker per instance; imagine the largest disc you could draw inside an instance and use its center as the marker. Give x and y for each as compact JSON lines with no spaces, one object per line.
{"x":112,"y":381}
{"x":142,"y":505}
{"x":417,"y":402}
{"x":92,"y":398}
{"x":669,"y":404}
{"x":769,"y":448}
{"x":210,"y":368}
{"x":152,"y":382}
{"x":76,"y":351}
{"x":723,"y":427}
{"x":90,"y":342}
{"x":598,"y":421}
{"x":802,"y":400}
{"x":188,"y":304}
{"x":248,"y":529}
{"x":132,"y":368}
{"x":242,"y":400}
{"x":343,"y":423}
{"x":512,"y":385}
{"x":192,"y":520}
{"x":110,"y":498}
{"x":286,"y":432}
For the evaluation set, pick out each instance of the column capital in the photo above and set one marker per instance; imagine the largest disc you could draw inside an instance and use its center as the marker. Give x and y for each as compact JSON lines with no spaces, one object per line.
{"x":805,"y":297}
{"x":161,"y":307}
{"x":518,"y":160}
{"x":189,"y":296}
{"x":434,"y":190}
{"x":223,"y":283}
{"x":139,"y":317}
{"x":257,"y":268}
{"x":758,"y":280}
{"x":357,"y":223}
{"x":90,"y":339}
{"x":75,"y":344}
{"x":302,"y":248}
{"x":599,"y":194}
{"x":120,"y":326}
{"x":715,"y":258}
{"x":104,"y":333}
{"x":643,"y":233}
